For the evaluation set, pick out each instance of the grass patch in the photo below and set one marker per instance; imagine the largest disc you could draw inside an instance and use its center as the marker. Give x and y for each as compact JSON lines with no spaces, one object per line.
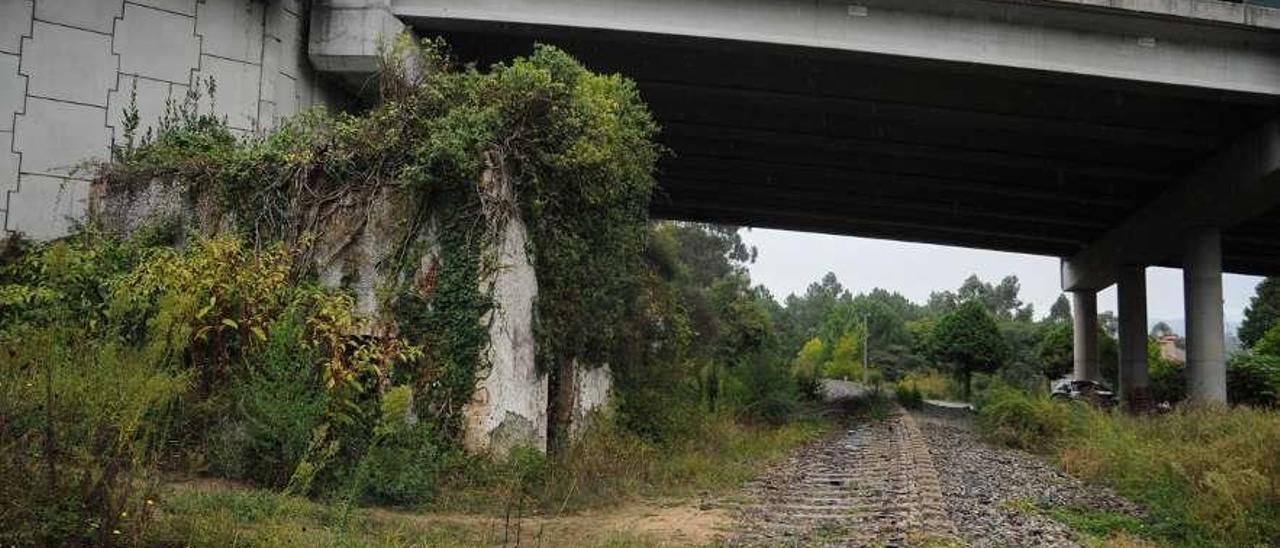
{"x":1095,"y":527}
{"x":1099,"y":525}
{"x":198,"y":516}
{"x":611,"y":465}
{"x":608,"y":468}
{"x":1208,"y":476}
{"x":1017,"y":419}
{"x":190,"y":516}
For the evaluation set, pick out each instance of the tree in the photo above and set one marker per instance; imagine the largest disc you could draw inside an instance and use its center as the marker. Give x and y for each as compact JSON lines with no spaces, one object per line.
{"x":968,"y":341}
{"x":941,"y":302}
{"x":1109,"y":323}
{"x":808,"y":362}
{"x":1054,"y":352}
{"x":710,"y":252}
{"x":807,"y":313}
{"x":1262,"y":313}
{"x":1061,"y":310}
{"x":846,"y":357}
{"x":1026,"y":314}
{"x":1001,"y":300}
{"x":1269,"y":344}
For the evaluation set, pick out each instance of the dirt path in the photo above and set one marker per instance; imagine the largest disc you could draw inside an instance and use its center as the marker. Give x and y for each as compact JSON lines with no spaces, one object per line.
{"x":871,"y":484}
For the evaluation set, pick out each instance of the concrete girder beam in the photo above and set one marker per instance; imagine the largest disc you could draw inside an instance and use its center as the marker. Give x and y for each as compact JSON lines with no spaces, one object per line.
{"x":1237,"y":184}
{"x":345,"y":35}
{"x":1162,"y":43}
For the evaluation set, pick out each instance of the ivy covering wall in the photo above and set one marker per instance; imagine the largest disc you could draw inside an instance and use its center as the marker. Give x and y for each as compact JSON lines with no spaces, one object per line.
{"x":246,"y":365}
{"x":576,"y":146}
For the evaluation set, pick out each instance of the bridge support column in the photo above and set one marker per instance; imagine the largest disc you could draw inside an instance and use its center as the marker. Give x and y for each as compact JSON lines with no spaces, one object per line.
{"x":1085,"y":349}
{"x":1202,"y":288}
{"x":1131,"y":297}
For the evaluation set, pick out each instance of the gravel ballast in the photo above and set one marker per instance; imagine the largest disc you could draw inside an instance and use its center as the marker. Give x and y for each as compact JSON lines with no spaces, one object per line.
{"x":986,"y":488}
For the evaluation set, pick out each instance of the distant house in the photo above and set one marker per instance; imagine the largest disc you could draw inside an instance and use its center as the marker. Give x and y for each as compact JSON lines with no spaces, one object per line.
{"x":1169,"y":349}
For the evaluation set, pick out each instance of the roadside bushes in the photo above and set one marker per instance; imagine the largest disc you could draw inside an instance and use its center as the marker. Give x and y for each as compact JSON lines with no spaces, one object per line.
{"x":932,"y":384}
{"x":1032,"y":422}
{"x":83,"y":414}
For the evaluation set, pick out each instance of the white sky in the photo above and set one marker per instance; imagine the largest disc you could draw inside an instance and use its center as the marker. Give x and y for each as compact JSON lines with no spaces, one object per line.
{"x":790,"y":261}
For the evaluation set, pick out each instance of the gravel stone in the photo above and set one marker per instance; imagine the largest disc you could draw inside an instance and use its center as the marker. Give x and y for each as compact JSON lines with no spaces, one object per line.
{"x":871,"y":484}
{"x":984,"y":485}
{"x":913,"y":479}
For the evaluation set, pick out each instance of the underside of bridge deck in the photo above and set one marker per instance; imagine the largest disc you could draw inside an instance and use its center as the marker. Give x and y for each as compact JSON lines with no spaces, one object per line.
{"x":910,"y":149}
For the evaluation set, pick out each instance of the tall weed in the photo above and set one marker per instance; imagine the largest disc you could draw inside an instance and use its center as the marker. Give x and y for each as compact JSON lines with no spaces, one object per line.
{"x":80,"y":428}
{"x":1033,"y":422}
{"x":1210,"y":473}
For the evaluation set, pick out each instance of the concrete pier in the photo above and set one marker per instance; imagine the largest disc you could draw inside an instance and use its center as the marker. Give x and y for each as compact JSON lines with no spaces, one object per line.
{"x":1085,"y":349}
{"x":1131,"y":299}
{"x":1202,"y":287}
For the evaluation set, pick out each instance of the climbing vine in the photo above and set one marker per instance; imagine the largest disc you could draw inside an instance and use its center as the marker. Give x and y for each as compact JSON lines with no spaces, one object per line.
{"x":453,"y":153}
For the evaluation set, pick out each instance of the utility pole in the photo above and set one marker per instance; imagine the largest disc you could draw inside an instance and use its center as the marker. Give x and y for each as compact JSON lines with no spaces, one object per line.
{"x":866,"y":365}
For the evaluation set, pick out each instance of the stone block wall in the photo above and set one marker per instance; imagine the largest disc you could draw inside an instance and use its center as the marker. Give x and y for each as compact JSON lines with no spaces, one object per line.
{"x":69,"y":69}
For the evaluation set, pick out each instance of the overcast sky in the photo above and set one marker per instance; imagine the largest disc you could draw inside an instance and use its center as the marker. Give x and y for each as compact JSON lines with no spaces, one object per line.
{"x":790,"y":261}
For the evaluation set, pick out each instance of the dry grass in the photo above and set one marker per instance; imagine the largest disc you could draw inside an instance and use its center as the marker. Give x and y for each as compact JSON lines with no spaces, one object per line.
{"x":1210,"y":476}
{"x":611,"y":489}
{"x":1211,"y":473}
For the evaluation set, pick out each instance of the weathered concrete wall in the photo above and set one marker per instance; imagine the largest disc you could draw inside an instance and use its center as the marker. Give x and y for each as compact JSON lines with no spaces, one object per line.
{"x":593,"y":389}
{"x":509,"y":406}
{"x":68,"y":69}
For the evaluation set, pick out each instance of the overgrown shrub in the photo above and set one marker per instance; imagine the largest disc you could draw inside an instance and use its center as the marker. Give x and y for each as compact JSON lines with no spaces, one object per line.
{"x":406,"y":458}
{"x":1207,"y":473}
{"x":80,"y":424}
{"x":273,"y":410}
{"x":767,"y":391}
{"x":908,"y":395}
{"x":1025,"y":421}
{"x":1254,"y":379}
{"x":83,"y":414}
{"x":931,"y":383}
{"x":216,"y":355}
{"x":1168,"y":379}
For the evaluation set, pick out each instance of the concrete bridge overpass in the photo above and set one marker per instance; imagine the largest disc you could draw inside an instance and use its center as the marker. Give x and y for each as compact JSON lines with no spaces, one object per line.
{"x":1115,"y":134}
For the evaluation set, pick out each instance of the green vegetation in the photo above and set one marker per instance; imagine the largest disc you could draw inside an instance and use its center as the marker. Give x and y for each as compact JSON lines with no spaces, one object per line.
{"x":1205,"y":474}
{"x":908,"y":395}
{"x":206,"y":346}
{"x":968,"y":341}
{"x":956,"y":343}
{"x":1262,"y":314}
{"x":1027,"y":421}
{"x":1101,"y":526}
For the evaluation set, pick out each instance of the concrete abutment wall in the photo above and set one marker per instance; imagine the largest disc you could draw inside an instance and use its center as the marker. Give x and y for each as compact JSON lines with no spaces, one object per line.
{"x":69,"y":69}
